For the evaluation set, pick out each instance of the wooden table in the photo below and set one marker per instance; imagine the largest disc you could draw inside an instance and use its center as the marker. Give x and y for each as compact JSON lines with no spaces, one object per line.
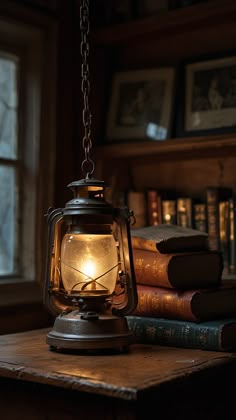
{"x":37,"y":384}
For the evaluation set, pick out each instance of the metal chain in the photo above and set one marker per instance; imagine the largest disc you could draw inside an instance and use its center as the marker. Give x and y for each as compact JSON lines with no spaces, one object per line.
{"x":87,"y":165}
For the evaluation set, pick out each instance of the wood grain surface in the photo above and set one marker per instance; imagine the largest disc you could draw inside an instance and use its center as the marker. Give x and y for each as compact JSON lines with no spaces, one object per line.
{"x":26,"y":356}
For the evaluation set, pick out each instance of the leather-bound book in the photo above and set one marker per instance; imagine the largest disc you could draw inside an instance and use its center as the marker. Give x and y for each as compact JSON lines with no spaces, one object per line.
{"x":169,"y":238}
{"x":195,"y":305}
{"x":186,"y":270}
{"x":215,"y":335}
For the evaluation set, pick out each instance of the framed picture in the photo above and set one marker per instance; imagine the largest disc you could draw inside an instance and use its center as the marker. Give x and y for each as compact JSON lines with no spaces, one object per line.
{"x":141,"y":105}
{"x":210,"y":96}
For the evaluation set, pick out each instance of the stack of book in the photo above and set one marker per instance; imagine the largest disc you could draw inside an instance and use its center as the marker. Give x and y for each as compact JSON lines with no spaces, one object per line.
{"x":182,"y":299}
{"x":214,"y":213}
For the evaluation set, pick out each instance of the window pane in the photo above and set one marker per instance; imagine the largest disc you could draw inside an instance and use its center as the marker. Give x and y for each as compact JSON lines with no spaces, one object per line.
{"x":8,"y":107}
{"x":8,"y":218}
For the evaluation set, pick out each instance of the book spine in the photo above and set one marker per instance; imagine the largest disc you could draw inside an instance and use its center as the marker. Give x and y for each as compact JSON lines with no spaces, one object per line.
{"x":199,"y":216}
{"x":214,"y":196}
{"x":213,"y":218}
{"x":151,"y":267}
{"x":232,"y":236}
{"x":154,"y":212}
{"x":169,"y":212}
{"x":175,"y":333}
{"x":223,"y":228}
{"x":166,"y":303}
{"x":184,"y":212}
{"x":180,"y":270}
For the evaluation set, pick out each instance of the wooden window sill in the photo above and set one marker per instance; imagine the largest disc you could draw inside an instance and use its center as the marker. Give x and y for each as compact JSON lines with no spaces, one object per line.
{"x":22,"y":308}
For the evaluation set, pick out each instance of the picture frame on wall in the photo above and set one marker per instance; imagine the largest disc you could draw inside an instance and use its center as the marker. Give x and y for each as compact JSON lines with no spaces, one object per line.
{"x":141,"y":105}
{"x":209,"y":96}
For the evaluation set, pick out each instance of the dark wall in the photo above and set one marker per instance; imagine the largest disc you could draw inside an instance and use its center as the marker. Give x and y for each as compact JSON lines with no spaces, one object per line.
{"x":66,"y":14}
{"x":69,"y":111}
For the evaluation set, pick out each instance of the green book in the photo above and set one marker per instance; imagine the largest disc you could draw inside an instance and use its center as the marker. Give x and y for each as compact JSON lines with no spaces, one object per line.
{"x":217,"y":335}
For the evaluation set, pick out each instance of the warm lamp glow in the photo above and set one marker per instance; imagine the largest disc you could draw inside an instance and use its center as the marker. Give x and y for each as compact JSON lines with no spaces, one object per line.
{"x":89,"y":264}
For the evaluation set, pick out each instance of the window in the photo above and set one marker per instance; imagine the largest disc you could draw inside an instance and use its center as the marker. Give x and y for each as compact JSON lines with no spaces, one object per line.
{"x":9,"y":179}
{"x":27,"y":120}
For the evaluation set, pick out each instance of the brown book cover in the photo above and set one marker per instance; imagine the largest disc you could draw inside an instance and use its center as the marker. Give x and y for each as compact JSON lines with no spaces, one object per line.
{"x":179,"y":270}
{"x":169,"y":238}
{"x":195,"y":305}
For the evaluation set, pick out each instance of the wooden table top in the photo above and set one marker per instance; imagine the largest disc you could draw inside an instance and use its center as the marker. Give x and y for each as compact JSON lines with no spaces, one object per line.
{"x":26,"y":356}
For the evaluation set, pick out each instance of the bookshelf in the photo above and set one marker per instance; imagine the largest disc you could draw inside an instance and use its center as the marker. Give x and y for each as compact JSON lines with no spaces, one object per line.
{"x":185,"y":164}
{"x":200,"y":16}
{"x":194,"y":147}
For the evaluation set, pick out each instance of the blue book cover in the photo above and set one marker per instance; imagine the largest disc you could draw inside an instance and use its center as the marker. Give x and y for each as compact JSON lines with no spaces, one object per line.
{"x":217,"y":335}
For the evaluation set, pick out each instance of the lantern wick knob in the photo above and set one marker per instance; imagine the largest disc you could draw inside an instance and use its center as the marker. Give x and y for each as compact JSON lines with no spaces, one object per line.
{"x":90,"y":316}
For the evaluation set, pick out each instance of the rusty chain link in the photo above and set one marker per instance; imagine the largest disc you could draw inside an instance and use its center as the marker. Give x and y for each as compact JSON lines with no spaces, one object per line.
{"x":87,"y":165}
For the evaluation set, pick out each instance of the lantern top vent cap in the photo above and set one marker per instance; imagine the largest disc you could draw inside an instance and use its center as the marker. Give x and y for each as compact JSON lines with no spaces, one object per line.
{"x":87,"y":187}
{"x":90,"y":183}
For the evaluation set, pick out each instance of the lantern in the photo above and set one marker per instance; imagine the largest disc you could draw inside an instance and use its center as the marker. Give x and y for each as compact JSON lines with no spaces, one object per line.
{"x":90,"y":280}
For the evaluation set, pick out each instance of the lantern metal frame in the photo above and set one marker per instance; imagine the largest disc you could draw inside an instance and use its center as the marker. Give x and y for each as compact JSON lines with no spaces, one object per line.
{"x":83,"y":322}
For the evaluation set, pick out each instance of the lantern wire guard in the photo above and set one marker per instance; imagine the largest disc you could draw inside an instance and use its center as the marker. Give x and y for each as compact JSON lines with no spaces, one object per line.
{"x":90,"y":282}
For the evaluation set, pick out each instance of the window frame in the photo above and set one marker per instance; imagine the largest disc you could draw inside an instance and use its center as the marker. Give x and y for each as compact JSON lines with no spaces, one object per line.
{"x":33,"y":29}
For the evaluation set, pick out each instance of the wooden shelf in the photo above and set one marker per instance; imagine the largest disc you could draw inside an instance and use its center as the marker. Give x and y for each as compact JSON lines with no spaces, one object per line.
{"x":186,"y":19}
{"x":213,"y":13}
{"x":203,"y":146}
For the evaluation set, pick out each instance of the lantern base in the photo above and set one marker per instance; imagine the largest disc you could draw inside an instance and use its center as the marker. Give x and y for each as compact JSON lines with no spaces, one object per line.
{"x":72,"y":332}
